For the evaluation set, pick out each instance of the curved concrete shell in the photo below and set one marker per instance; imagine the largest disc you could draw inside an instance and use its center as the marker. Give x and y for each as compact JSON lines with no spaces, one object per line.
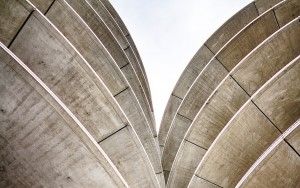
{"x":82,"y":63}
{"x":76,"y":109}
{"x":218,"y":67}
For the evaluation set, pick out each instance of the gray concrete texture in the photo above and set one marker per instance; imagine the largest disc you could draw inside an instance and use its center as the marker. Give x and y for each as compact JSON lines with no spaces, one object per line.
{"x":229,"y":56}
{"x":76,"y":109}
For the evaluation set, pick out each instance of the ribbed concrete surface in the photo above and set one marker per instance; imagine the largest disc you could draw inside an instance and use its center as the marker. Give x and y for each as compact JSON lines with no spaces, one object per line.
{"x":93,"y":70}
{"x":76,"y":110}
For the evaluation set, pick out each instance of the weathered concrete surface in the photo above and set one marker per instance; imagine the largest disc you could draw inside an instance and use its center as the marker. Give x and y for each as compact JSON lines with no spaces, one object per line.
{"x":278,"y":166}
{"x":260,"y":66}
{"x":101,"y":30}
{"x":12,"y":16}
{"x":70,"y":78}
{"x":242,"y":141}
{"x":286,"y":11}
{"x":197,"y":182}
{"x":139,"y":125}
{"x":237,"y":147}
{"x":126,"y":46}
{"x":281,"y":169}
{"x":203,"y":56}
{"x":231,"y":27}
{"x":41,"y":144}
{"x":195,"y":98}
{"x":263,"y":5}
{"x":138,"y":65}
{"x":281,"y":97}
{"x":211,"y":119}
{"x":92,"y":50}
{"x":169,"y":113}
{"x":247,"y":40}
{"x":186,"y":162}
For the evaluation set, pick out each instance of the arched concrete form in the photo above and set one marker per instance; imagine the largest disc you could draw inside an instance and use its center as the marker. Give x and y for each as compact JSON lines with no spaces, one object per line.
{"x":251,"y":131}
{"x":42,"y":143}
{"x":87,"y":43}
{"x":72,"y":79}
{"x":213,"y":116}
{"x":126,"y":33}
{"x":217,"y":110}
{"x":130,"y":69}
{"x":111,"y":44}
{"x":213,"y":73}
{"x":131,"y":50}
{"x":279,"y":165}
{"x":214,"y":44}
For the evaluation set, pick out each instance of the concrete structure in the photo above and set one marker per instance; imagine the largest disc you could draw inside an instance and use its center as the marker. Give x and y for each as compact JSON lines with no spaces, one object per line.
{"x":232,"y":67}
{"x":78,"y":51}
{"x":76,"y":110}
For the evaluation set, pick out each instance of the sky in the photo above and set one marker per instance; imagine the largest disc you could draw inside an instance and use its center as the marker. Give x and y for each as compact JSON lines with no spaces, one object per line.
{"x":168,"y":33}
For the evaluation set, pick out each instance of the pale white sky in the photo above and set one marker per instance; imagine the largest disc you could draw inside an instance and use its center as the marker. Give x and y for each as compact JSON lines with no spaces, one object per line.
{"x":168,"y":33}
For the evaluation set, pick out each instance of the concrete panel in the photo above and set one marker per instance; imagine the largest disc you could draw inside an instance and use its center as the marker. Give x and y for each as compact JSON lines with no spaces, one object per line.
{"x":278,"y":166}
{"x":238,"y":146}
{"x":136,"y":63}
{"x":206,"y":82}
{"x":141,"y":128}
{"x":285,"y":74}
{"x":247,"y":40}
{"x":193,"y":69}
{"x":286,"y":11}
{"x":187,"y":160}
{"x":281,"y":97}
{"x":87,"y":43}
{"x":169,"y":153}
{"x":280,"y":169}
{"x":263,"y":5}
{"x":129,"y":73}
{"x":132,"y":165}
{"x":216,"y":112}
{"x":294,"y":139}
{"x":100,"y":29}
{"x":41,"y":143}
{"x":12,"y":17}
{"x":56,"y":62}
{"x":269,"y":58}
{"x":42,"y":5}
{"x":197,"y":182}
{"x":64,"y":76}
{"x":231,"y":27}
{"x":169,"y":113}
{"x":161,"y":179}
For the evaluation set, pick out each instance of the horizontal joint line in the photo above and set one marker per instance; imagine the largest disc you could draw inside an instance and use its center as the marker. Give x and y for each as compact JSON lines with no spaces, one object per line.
{"x":112,"y":134}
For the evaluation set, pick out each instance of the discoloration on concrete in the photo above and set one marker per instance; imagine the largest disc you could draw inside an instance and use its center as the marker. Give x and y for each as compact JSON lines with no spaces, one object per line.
{"x":41,"y":145}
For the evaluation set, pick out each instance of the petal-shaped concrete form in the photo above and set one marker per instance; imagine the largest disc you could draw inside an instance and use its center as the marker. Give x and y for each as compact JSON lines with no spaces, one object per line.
{"x":225,"y":60}
{"x":42,"y":143}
